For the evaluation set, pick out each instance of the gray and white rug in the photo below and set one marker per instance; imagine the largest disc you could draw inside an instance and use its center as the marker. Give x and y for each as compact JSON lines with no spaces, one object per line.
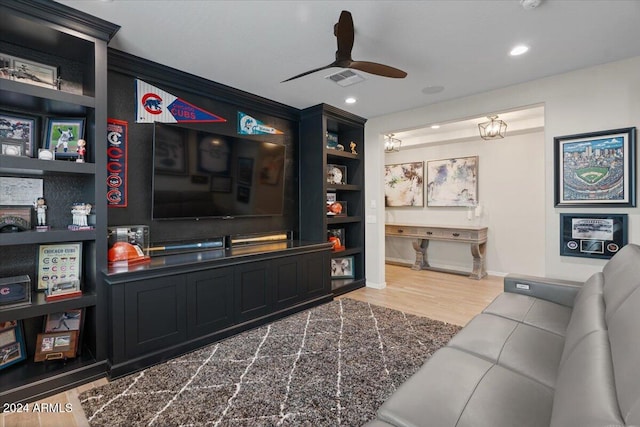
{"x":332,"y":365}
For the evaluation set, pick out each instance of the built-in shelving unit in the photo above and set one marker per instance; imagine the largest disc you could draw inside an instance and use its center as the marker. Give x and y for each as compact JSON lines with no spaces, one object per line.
{"x":315,"y":154}
{"x":50,"y":33}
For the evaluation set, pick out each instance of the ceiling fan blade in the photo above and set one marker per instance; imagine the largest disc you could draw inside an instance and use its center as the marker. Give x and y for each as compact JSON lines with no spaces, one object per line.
{"x":333,"y":64}
{"x":377,"y":69}
{"x":344,"y":32}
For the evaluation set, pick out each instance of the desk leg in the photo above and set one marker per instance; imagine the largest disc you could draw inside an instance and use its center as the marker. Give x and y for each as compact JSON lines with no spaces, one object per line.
{"x":478,"y":251}
{"x":420,"y":246}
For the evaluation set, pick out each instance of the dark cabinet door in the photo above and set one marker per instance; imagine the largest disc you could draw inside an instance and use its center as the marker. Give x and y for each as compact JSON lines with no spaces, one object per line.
{"x":209,"y":301}
{"x":155,"y":315}
{"x":287,"y":281}
{"x":315,"y":274}
{"x":253,"y":296}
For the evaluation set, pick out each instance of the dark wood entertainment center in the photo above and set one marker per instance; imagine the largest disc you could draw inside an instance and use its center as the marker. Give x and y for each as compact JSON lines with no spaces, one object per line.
{"x":181,"y":302}
{"x":138,"y":316}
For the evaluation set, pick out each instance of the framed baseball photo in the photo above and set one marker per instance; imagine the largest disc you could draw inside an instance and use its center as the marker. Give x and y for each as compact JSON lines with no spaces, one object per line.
{"x":592,"y":235}
{"x":62,"y":137}
{"x":12,"y":348}
{"x":18,"y":132}
{"x":56,"y":345}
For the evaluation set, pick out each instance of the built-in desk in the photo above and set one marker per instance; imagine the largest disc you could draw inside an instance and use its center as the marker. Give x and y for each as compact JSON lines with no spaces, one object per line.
{"x":476,"y":237}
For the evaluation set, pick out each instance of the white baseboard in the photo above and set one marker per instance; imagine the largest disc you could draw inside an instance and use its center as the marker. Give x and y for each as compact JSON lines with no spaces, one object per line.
{"x":374,"y":285}
{"x":409,"y":263}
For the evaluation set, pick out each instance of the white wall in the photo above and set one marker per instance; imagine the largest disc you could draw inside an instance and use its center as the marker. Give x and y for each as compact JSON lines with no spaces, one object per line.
{"x":597,"y":98}
{"x":510,"y":193}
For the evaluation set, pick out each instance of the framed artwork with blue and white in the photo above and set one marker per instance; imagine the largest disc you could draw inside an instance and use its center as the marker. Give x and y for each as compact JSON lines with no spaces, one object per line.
{"x":596,"y":169}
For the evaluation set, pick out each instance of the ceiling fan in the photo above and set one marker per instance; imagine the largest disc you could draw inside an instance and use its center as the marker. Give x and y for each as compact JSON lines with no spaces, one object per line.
{"x":343,"y":31}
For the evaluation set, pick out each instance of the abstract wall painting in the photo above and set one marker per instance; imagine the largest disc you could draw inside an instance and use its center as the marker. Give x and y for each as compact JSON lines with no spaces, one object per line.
{"x":452,"y":182}
{"x":404,"y":184}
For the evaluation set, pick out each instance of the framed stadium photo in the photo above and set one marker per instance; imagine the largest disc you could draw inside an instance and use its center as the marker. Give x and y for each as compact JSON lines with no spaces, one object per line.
{"x":596,"y":169}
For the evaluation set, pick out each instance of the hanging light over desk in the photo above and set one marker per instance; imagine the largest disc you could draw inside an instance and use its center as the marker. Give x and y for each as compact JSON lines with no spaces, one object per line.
{"x":493,"y":129}
{"x":391,"y":144}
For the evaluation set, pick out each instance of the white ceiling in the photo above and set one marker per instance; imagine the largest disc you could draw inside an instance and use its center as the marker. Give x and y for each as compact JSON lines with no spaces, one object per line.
{"x":461,"y":45}
{"x":524,"y":120}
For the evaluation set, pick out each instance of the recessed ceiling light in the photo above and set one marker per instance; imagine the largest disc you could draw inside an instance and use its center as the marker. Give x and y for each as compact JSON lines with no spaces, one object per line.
{"x":435,"y":126}
{"x":432,"y":90}
{"x":350,"y":100}
{"x":519,"y":50}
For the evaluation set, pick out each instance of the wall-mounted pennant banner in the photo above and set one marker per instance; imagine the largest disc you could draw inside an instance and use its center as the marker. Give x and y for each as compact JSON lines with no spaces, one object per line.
{"x":155,"y":105}
{"x":248,"y":125}
{"x":116,"y":163}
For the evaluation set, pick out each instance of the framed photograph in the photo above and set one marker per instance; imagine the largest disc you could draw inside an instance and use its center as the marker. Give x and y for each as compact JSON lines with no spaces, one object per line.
{"x":452,"y":182}
{"x":245,"y":170}
{"x":70,"y":320}
{"x":331,"y":197}
{"x":12,"y":349}
{"x":20,"y":130}
{"x":596,"y":169}
{"x":62,"y":137}
{"x":56,"y":345}
{"x":336,"y":174}
{"x":342,"y":268}
{"x":403,"y":184}
{"x":59,"y":267}
{"x":592,"y":235}
{"x":30,"y":72}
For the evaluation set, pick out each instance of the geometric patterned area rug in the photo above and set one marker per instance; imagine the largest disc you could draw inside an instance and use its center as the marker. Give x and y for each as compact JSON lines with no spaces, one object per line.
{"x":331,"y":365}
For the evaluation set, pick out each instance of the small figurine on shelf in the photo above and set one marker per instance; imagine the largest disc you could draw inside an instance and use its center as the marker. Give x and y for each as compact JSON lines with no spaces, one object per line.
{"x":352,"y":145}
{"x":40,"y":206}
{"x":81,"y":150}
{"x":80,"y":212}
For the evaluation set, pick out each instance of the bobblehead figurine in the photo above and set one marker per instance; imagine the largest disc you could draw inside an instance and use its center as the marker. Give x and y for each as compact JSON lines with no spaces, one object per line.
{"x":40,"y":206}
{"x":81,"y":150}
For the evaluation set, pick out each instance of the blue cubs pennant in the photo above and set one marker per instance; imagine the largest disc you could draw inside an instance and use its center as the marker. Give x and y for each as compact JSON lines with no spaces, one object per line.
{"x":156,"y":105}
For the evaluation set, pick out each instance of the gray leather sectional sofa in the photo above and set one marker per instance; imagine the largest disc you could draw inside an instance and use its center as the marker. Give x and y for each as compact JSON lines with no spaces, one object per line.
{"x":543,"y":353}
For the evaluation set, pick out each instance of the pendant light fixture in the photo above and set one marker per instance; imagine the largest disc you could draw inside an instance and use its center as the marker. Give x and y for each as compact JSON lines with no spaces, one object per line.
{"x":493,"y":129}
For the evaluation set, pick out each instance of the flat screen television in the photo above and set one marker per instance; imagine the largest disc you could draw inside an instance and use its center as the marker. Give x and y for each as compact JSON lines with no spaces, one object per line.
{"x":201,"y":174}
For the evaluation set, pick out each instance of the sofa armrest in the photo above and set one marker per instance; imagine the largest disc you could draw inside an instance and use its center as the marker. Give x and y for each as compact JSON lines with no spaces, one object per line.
{"x":555,"y":290}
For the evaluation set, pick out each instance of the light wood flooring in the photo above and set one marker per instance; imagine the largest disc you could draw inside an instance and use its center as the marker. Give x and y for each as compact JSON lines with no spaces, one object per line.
{"x":441,"y":296}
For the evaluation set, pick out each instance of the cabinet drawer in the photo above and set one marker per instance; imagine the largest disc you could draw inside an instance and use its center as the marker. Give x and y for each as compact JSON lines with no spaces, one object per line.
{"x":460,"y":235}
{"x":432,"y":233}
{"x":401,"y":230}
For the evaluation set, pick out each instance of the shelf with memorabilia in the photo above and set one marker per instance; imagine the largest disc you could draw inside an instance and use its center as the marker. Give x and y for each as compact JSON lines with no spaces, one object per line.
{"x":53,"y":94}
{"x":332,"y":174}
